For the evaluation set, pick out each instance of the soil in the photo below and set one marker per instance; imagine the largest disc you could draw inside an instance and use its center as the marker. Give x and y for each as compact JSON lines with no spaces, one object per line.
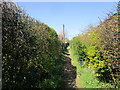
{"x":69,"y":73}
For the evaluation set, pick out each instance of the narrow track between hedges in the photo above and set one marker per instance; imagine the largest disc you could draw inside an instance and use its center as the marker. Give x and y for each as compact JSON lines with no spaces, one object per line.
{"x":69,"y":73}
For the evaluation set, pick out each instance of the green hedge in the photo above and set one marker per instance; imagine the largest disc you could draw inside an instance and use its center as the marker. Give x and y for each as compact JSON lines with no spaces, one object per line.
{"x":32,"y":55}
{"x":99,"y":49}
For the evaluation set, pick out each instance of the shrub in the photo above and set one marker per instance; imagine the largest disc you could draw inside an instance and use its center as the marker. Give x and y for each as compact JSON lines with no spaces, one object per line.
{"x":31,"y":50}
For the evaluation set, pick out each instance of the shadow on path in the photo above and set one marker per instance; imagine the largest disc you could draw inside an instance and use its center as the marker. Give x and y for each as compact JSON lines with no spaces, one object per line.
{"x":69,"y":73}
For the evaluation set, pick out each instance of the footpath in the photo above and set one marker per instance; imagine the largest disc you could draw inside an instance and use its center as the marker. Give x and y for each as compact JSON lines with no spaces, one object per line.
{"x":69,"y":73}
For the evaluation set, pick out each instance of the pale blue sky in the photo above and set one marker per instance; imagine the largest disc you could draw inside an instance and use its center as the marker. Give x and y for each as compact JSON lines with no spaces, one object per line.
{"x":76,"y":16}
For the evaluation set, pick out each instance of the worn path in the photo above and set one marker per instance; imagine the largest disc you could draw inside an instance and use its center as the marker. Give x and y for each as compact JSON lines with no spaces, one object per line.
{"x":69,"y":73}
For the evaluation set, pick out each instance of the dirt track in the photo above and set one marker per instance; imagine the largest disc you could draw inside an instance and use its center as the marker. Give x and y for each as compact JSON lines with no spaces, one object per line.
{"x":69,"y":73}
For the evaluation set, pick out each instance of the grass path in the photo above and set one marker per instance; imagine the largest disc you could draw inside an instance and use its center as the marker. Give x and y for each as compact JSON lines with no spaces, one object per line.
{"x":74,"y":63}
{"x":86,"y":77}
{"x":71,"y":78}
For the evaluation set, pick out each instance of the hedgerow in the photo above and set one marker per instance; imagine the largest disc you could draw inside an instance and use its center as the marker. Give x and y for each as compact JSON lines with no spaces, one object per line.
{"x":99,"y":48}
{"x":32,"y":52}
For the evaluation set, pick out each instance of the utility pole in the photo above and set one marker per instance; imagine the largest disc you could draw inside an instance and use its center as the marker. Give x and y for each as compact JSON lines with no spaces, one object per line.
{"x":63,"y":34}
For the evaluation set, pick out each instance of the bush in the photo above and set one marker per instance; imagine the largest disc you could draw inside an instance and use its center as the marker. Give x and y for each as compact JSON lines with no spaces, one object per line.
{"x":98,"y":48}
{"x":31,"y":50}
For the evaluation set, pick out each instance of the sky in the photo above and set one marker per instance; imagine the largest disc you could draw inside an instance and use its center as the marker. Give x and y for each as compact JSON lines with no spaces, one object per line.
{"x":76,"y":16}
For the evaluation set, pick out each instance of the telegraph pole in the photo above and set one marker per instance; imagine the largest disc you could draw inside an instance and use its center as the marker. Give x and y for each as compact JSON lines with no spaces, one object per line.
{"x":63,"y":34}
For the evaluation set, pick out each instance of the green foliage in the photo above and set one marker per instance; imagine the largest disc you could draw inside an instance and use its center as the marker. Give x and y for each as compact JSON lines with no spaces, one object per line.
{"x":32,"y":53}
{"x":98,"y":48}
{"x":95,"y":58}
{"x":78,"y":49}
{"x":87,"y":75}
{"x":89,"y":80}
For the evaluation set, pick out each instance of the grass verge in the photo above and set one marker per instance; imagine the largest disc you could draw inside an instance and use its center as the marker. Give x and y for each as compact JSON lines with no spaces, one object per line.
{"x":86,"y":76}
